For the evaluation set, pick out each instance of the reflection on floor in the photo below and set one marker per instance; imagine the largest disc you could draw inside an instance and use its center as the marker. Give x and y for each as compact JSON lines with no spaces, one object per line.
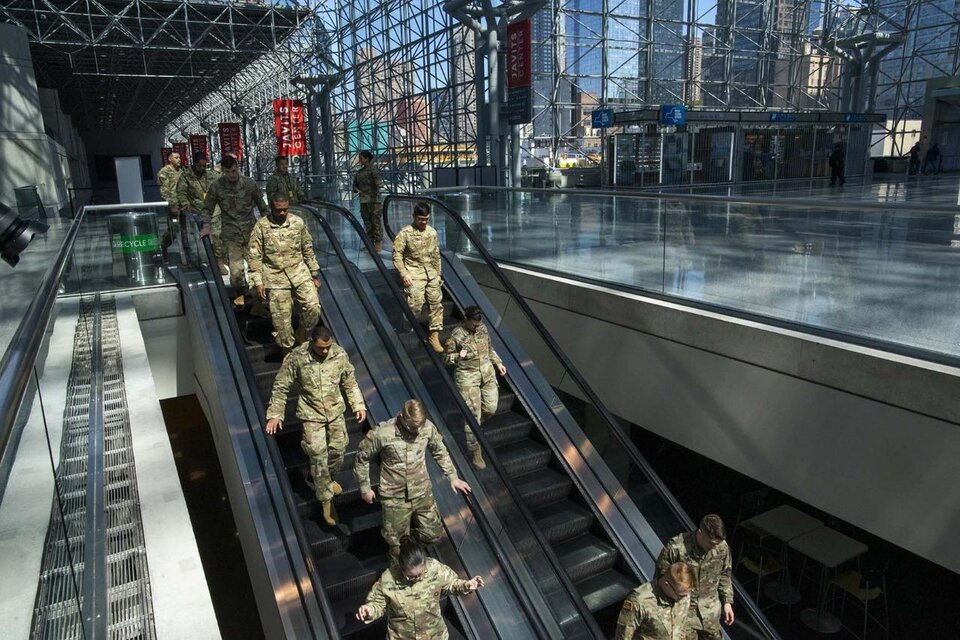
{"x":213,"y":525}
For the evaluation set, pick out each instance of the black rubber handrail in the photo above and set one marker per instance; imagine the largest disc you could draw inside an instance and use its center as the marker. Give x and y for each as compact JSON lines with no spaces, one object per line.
{"x":468,"y":417}
{"x":612,"y":424}
{"x":276,"y":460}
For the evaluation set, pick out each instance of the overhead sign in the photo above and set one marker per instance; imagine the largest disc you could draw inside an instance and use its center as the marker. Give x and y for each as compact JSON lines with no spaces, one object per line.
{"x":288,"y":122}
{"x":230,"y":140}
{"x":673,"y":114}
{"x":601,"y":118}
{"x":181,"y":148}
{"x":520,"y":72}
{"x":199,"y":144}
{"x":165,"y":154}
{"x":779,"y":116}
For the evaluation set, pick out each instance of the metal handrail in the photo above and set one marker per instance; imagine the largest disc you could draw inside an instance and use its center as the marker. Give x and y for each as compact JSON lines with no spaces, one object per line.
{"x":468,"y":416}
{"x":574,"y":373}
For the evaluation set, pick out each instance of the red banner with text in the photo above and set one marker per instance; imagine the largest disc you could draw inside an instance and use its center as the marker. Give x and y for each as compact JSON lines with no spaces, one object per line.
{"x":230,"y":141}
{"x":519,"y":72}
{"x":165,"y":154}
{"x":199,"y":144}
{"x":288,"y":122}
{"x":181,"y":148}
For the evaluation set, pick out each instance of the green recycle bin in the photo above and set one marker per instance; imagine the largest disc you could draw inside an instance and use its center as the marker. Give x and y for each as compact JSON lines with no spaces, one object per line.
{"x":135,"y":246}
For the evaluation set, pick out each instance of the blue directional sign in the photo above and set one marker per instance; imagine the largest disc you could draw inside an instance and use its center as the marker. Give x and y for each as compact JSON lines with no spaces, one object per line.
{"x":673,"y":114}
{"x":855,"y":117}
{"x":601,"y":118}
{"x":779,"y":116}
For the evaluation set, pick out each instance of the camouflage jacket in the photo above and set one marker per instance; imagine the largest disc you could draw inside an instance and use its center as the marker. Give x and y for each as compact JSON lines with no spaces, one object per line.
{"x":192,"y":190}
{"x":368,"y":183}
{"x":281,"y":255}
{"x":417,"y":253}
{"x":413,"y":608}
{"x":712,"y":568}
{"x":648,"y":614}
{"x":403,"y":463}
{"x":236,"y":201}
{"x":480,"y":361}
{"x":320,"y":384}
{"x":287,"y":185}
{"x":167,"y":178}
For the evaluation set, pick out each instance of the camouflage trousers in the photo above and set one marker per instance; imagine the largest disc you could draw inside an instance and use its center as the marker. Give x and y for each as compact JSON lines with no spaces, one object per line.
{"x":423,"y":289}
{"x":417,"y":517}
{"x":215,"y":239}
{"x":482,"y":396}
{"x":235,"y":252}
{"x":698,"y":629}
{"x":281,"y":302}
{"x":325,"y":444}
{"x":173,"y":229}
{"x":370,"y":212}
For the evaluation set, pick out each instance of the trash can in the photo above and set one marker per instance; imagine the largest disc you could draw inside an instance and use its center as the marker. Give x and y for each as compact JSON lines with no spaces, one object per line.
{"x":135,"y":245}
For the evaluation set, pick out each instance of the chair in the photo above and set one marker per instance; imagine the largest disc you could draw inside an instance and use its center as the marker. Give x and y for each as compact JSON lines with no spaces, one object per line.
{"x":756,"y":560}
{"x":863,"y":588}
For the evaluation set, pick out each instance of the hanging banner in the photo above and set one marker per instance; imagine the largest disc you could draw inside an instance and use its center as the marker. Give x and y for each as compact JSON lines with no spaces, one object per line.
{"x":181,"y":148}
{"x":519,"y":72}
{"x":165,"y":154}
{"x":230,"y":140}
{"x":288,"y":122}
{"x":199,"y":144}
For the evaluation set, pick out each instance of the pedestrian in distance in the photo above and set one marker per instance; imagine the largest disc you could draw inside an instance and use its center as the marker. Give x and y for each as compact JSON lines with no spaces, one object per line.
{"x":931,"y":162}
{"x":282,"y":182}
{"x":168,"y":177}
{"x":914,"y":166}
{"x":657,"y":610}
{"x":367,"y":185}
{"x":838,"y":164}
{"x":416,"y":256}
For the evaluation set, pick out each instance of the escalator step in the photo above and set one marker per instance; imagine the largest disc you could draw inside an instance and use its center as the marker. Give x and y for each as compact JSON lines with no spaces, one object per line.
{"x":345,"y":577}
{"x":585,"y":556}
{"x":507,"y":398}
{"x":562,"y":520}
{"x":360,"y":516}
{"x":344,"y":612}
{"x":507,"y":427}
{"x":543,"y":486}
{"x":605,"y":589}
{"x":324,"y":543}
{"x":523,"y":457}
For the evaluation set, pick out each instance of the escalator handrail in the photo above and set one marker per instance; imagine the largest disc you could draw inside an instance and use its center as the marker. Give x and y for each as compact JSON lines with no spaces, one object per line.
{"x":326,"y":608}
{"x":475,"y":507}
{"x":613,"y":426}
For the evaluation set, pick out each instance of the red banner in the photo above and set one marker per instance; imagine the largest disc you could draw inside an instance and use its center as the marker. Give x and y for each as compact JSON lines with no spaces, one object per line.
{"x":181,"y":148}
{"x":519,"y":54}
{"x":199,"y":144}
{"x":288,"y":122}
{"x":165,"y":154}
{"x":230,"y":140}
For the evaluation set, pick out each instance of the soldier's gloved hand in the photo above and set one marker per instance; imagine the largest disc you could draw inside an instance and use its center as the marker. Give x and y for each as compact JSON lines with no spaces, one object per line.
{"x":273,"y":425}
{"x":461,"y":486}
{"x":368,"y":496}
{"x":261,"y":291}
{"x":502,"y":370}
{"x":475,"y":583}
{"x":364,"y":612}
{"x":361,"y":416}
{"x":407,"y":281}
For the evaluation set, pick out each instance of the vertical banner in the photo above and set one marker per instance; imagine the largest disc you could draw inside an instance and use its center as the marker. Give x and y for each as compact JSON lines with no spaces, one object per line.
{"x":288,"y":122}
{"x":519,"y":72}
{"x":165,"y":154}
{"x":181,"y":148}
{"x":230,"y":140}
{"x":199,"y":144}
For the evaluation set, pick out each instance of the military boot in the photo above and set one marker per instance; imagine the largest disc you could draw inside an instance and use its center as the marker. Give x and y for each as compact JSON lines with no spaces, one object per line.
{"x":239,"y":301}
{"x":435,"y":341}
{"x":328,"y":514}
{"x":335,"y":488}
{"x":477,"y":459}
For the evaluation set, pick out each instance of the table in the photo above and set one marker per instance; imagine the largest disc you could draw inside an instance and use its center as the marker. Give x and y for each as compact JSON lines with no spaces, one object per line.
{"x":783,"y":523}
{"x":830,"y":549}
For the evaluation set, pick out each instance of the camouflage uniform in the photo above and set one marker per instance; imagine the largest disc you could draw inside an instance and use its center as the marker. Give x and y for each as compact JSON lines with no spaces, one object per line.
{"x":236,"y":201}
{"x":413,"y":608}
{"x":286,"y":185}
{"x":648,"y":614}
{"x":167,"y":178}
{"x":713,"y":570}
{"x":191,"y":192}
{"x":282,"y":260}
{"x":367,"y":183}
{"x":475,"y":374}
{"x":405,"y":491}
{"x":320,"y":407}
{"x":416,"y":254}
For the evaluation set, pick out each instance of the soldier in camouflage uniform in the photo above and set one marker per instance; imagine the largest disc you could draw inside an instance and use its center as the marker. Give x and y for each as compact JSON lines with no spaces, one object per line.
{"x":283,"y":268}
{"x":282,"y":183}
{"x":707,"y":552}
{"x":321,"y":369}
{"x":367,"y":185}
{"x":416,"y":255}
{"x":192,"y":190}
{"x":476,"y":365}
{"x":405,"y":491}
{"x":236,"y":196}
{"x":167,"y":178}
{"x":409,"y":594}
{"x":658,"y":610}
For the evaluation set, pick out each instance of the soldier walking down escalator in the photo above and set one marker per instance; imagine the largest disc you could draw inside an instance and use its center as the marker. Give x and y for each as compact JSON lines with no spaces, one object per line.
{"x":167,"y":178}
{"x":476,"y":366}
{"x":322,"y":369}
{"x":416,"y":255}
{"x":367,"y":185}
{"x":657,"y":610}
{"x":283,"y":268}
{"x":405,"y":490}
{"x":192,"y":188}
{"x":284,"y":183}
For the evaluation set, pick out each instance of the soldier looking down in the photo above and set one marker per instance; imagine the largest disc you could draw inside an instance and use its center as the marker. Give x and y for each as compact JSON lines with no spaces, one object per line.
{"x":192,"y":190}
{"x":416,"y":255}
{"x":283,"y":183}
{"x":321,"y":368}
{"x":167,"y":178}
{"x":657,"y":610}
{"x":367,"y":185}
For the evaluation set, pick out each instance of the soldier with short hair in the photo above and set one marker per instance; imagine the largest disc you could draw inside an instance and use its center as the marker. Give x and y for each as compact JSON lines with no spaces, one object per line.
{"x":707,"y":552}
{"x":192,"y":190}
{"x":167,"y":178}
{"x":416,"y":255}
{"x":284,"y":183}
{"x":284,"y":269}
{"x":476,"y":365}
{"x":658,"y":610}
{"x":409,"y":595}
{"x":322,"y":369}
{"x":367,"y":184}
{"x":405,"y":490}
{"x":236,"y":196}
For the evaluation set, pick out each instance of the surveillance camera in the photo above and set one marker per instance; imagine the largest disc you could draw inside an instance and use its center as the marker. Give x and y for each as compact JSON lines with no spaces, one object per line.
{"x":16,"y":234}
